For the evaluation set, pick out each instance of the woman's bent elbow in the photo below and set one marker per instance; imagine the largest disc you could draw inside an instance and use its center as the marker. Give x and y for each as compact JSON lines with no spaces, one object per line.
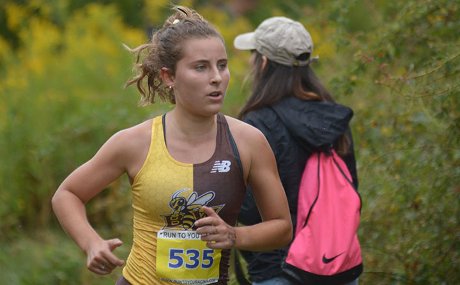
{"x":55,"y":200}
{"x":285,"y":235}
{"x":59,"y":199}
{"x":289,"y":234}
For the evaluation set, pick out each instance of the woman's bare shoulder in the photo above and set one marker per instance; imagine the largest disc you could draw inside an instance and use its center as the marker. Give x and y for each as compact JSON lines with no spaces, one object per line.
{"x":249,"y":140}
{"x":129,"y":147}
{"x":127,"y":142}
{"x":134,"y":133}
{"x":244,"y":131}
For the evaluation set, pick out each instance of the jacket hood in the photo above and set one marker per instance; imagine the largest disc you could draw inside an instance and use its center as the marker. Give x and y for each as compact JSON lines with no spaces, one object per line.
{"x":316,"y":123}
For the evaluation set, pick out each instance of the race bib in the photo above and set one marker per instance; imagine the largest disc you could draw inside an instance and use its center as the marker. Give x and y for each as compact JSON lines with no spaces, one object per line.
{"x":182,"y":257}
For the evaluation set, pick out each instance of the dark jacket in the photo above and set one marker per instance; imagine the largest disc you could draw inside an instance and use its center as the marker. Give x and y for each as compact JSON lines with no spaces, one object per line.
{"x":294,"y":129}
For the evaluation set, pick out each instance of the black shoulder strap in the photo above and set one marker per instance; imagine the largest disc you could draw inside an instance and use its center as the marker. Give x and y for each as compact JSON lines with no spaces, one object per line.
{"x":233,"y":144}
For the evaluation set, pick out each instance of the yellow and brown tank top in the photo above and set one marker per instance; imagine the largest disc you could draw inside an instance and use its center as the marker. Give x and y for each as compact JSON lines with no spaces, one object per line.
{"x":167,"y":197}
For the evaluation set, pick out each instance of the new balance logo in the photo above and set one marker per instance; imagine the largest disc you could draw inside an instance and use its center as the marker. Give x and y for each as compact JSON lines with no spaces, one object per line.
{"x":221,"y":166}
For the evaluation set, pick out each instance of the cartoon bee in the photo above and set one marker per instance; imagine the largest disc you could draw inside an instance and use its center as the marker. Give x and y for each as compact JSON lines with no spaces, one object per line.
{"x":187,"y":211}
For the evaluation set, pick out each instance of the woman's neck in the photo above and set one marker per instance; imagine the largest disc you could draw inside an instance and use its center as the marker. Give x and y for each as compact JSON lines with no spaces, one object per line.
{"x":190,"y":139}
{"x":191,"y":127}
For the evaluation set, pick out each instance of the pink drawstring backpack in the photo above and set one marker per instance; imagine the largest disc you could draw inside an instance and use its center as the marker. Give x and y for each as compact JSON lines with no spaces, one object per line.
{"x":326,"y":249}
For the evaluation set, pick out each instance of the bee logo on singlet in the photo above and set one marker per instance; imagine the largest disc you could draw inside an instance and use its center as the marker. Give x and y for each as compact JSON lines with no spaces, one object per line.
{"x":182,"y":257}
{"x":186,"y":210}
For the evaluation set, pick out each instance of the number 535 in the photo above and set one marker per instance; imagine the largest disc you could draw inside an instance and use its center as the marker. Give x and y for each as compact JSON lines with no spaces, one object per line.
{"x":190,"y":258}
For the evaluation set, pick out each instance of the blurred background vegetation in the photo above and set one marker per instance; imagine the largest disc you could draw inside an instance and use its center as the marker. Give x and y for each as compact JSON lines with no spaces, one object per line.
{"x":396,"y":63}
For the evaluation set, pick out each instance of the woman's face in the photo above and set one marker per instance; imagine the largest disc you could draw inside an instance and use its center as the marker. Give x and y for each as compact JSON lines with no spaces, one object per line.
{"x":202,"y":76}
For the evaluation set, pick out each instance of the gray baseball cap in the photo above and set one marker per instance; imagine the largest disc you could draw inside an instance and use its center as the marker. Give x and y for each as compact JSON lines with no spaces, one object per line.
{"x":280,"y":39}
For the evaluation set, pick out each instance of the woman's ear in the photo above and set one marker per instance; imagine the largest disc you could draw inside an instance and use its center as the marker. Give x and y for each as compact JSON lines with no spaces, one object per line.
{"x":167,"y":77}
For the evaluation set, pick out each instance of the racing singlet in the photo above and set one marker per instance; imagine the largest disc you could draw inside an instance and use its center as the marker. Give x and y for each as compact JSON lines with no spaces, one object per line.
{"x":167,"y":197}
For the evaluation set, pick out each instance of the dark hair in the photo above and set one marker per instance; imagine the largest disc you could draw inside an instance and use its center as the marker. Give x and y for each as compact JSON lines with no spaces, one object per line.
{"x":275,"y":81}
{"x":165,"y":50}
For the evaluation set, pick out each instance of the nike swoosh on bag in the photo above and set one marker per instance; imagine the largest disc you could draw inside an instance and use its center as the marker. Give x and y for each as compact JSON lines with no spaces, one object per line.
{"x":329,"y":260}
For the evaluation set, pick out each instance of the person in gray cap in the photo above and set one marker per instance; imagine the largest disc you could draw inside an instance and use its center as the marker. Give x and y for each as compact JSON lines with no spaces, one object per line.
{"x":288,"y":102}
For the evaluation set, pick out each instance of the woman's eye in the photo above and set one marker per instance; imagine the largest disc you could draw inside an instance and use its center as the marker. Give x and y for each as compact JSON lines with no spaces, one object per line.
{"x":222,"y":66}
{"x":200,"y":67}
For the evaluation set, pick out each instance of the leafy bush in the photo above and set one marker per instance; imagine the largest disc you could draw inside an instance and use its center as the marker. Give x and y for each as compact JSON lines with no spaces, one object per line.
{"x":62,"y":88}
{"x":396,"y":63}
{"x":401,"y":86}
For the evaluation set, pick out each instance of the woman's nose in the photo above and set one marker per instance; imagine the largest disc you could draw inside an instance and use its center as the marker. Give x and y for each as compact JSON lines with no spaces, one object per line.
{"x":216,"y":77}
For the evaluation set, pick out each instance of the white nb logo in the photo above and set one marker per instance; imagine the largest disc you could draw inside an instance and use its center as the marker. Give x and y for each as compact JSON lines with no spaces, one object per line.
{"x":221,"y":166}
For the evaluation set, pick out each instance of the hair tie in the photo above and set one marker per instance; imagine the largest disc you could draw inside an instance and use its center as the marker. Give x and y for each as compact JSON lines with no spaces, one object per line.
{"x":175,"y":21}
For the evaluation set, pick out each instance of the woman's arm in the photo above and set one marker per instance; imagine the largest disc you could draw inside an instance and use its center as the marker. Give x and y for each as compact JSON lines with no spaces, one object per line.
{"x":275,"y":231}
{"x":76,"y":190}
{"x":261,"y":173}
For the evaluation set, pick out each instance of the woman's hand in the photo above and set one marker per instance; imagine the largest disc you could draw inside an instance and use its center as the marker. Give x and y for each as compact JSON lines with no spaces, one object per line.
{"x":217,"y":233}
{"x":100,"y":258}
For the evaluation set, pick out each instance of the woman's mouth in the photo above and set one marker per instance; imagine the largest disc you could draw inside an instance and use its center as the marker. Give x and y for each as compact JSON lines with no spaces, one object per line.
{"x":215,"y":94}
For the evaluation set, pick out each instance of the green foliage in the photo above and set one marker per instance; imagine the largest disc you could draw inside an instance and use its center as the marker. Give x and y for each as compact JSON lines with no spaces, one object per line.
{"x":50,"y":258}
{"x":406,"y":101}
{"x":29,"y":254}
{"x":396,"y":63}
{"x":61,"y":88}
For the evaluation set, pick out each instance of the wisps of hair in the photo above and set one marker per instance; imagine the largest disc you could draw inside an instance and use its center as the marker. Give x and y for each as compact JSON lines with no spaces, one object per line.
{"x":165,"y":50}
